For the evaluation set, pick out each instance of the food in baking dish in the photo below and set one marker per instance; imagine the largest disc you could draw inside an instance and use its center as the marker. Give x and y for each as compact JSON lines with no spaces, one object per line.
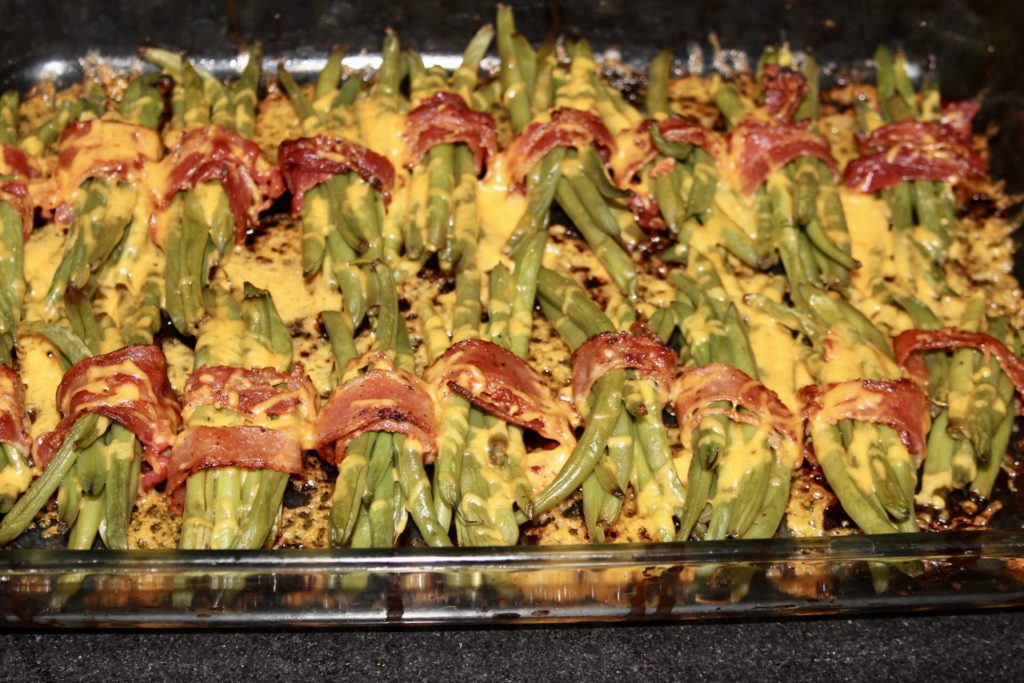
{"x":518,"y":307}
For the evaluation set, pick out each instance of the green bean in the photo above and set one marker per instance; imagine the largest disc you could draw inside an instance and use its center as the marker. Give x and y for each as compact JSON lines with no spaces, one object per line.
{"x":87,"y":524}
{"x":616,"y":261}
{"x":604,"y":412}
{"x":570,"y":333}
{"x":698,"y":487}
{"x":264,"y":322}
{"x":119,"y":495}
{"x":524,"y":293}
{"x":381,"y":496}
{"x":513,"y":84}
{"x":809,"y":107}
{"x":330,"y":75}
{"x":246,"y":93}
{"x":254,"y":530}
{"x":729,"y":102}
{"x":349,"y":489}
{"x":658,"y":72}
{"x":927,"y":209}
{"x":36,"y":142}
{"x":142,"y":103}
{"x":574,"y":302}
{"x":315,"y":227}
{"x":9,"y":103}
{"x":885,"y":79}
{"x":863,"y":508}
{"x":465,"y":78}
{"x":805,"y":190}
{"x":18,"y":519}
{"x":197,"y":109}
{"x":416,"y":489}
{"x":594,"y":498}
{"x":441,"y":172}
{"x":542,"y":184}
{"x":350,"y":279}
{"x":776,"y":498}
{"x":594,"y":204}
{"x":666,"y":192}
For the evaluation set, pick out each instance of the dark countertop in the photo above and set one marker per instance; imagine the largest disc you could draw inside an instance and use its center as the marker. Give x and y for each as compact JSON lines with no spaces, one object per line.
{"x":914,"y":647}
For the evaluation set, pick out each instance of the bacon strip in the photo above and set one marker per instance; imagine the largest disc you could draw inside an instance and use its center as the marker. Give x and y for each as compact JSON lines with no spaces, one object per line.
{"x":215,"y":153}
{"x":384,"y":400}
{"x":16,"y":169}
{"x":896,"y":403}
{"x":687,"y":129}
{"x":917,"y":150}
{"x":908,"y":343}
{"x":128,"y":386}
{"x":646,"y":211}
{"x":307,"y":162}
{"x":246,"y":446}
{"x":758,"y":148}
{"x":636,"y":148}
{"x":500,"y":382}
{"x":256,"y":393}
{"x":13,"y":418}
{"x":640,"y":350}
{"x":784,"y":89}
{"x":567,"y":128}
{"x":445,"y":118}
{"x":696,"y":389}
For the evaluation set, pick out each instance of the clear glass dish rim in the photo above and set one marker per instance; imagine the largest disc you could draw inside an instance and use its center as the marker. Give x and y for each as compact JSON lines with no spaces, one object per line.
{"x":1003,"y":544}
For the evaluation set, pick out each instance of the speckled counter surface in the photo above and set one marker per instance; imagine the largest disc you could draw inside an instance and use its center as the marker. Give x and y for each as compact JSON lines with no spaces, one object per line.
{"x":915,"y":648}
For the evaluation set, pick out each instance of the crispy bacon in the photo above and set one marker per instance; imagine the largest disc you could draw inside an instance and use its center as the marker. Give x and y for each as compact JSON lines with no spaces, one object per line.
{"x":687,"y":129}
{"x":959,"y":116}
{"x":639,"y":149}
{"x":639,"y":350}
{"x":445,"y":118}
{"x":917,"y":150}
{"x":567,"y":128}
{"x":128,"y":386}
{"x":758,"y":147}
{"x":307,"y":162}
{"x":784,"y":89}
{"x":697,"y":389}
{"x":246,"y":446}
{"x":896,"y":403}
{"x":382,"y":399}
{"x":908,"y":343}
{"x":255,"y":393}
{"x":500,"y":382}
{"x":13,"y":418}
{"x":215,"y":153}
{"x":16,"y":171}
{"x":646,"y":211}
{"x":16,"y":163}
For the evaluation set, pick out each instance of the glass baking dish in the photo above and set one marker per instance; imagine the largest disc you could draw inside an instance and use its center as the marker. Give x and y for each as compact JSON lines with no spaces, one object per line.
{"x":779,"y":577}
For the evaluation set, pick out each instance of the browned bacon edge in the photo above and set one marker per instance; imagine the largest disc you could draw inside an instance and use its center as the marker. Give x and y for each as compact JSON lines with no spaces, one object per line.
{"x":381,"y":399}
{"x":153,"y":418}
{"x":908,"y":343}
{"x":498,"y":381}
{"x":899,"y":404}
{"x":639,"y":350}
{"x":444,"y":118}
{"x":304,"y":165}
{"x":247,"y":446}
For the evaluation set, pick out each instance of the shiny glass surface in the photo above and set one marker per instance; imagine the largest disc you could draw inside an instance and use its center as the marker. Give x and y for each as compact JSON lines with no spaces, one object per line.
{"x":781,"y":577}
